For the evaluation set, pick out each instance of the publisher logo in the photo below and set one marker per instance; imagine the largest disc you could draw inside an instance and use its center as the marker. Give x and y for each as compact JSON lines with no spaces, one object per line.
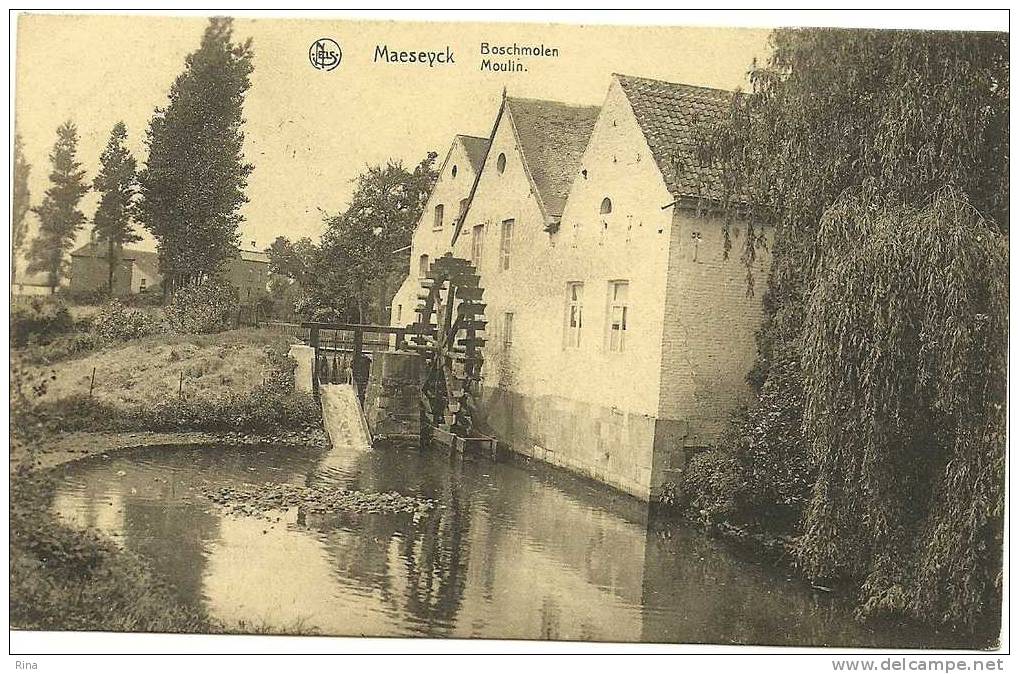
{"x":325,"y":54}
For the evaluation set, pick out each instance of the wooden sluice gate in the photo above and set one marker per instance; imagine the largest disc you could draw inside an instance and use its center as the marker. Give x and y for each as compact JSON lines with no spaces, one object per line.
{"x":420,"y":381}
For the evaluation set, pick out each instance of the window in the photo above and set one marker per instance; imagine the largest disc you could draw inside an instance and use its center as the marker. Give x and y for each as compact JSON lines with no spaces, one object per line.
{"x":477,"y":244}
{"x":423,"y":266}
{"x":606,"y":206}
{"x":507,"y":330}
{"x":141,"y":286}
{"x":618,"y":308}
{"x":501,"y":162}
{"x":454,"y":170}
{"x":574,"y":314}
{"x":505,"y":244}
{"x":438,"y":217}
{"x":399,"y":312}
{"x":463,"y":208}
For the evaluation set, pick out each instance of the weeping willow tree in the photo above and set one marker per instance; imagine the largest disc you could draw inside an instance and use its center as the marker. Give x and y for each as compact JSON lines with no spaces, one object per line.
{"x":879,"y":162}
{"x":904,"y":352}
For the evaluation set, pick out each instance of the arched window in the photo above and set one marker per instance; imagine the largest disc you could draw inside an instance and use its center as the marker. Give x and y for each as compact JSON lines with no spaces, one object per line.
{"x":501,"y":162}
{"x":606,"y":206}
{"x":437,"y":224}
{"x":454,"y":170}
{"x":423,"y":266}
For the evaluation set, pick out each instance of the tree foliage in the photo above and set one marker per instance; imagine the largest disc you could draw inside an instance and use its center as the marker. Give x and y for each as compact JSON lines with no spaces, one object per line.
{"x":361,"y":258}
{"x":59,"y":216}
{"x":20,"y":203}
{"x":879,"y":160}
{"x":117,"y":184}
{"x":905,"y":351}
{"x":194,"y":181}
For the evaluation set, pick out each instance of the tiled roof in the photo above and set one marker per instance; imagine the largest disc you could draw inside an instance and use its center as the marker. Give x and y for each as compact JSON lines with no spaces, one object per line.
{"x":552,"y":138}
{"x":476,"y":149}
{"x":99,"y":250}
{"x":254,"y":256}
{"x":675,"y":118}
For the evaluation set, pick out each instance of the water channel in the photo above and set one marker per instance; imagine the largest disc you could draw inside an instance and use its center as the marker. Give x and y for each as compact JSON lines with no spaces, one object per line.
{"x":518,"y":550}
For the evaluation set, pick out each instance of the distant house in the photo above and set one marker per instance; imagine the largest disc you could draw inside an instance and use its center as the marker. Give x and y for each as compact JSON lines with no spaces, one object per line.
{"x":249,"y":273}
{"x":137,"y":271}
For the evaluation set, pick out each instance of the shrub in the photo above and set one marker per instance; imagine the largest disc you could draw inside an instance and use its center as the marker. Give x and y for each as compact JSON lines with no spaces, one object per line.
{"x":710,"y":486}
{"x":202,"y":308}
{"x":39,"y":321}
{"x":116,"y":322}
{"x":279,"y":368}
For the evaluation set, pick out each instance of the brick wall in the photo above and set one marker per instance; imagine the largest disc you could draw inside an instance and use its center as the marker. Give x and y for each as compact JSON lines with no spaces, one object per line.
{"x":710,"y":321}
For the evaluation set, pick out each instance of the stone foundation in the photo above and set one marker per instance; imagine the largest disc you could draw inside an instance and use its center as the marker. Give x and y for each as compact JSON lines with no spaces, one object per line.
{"x":631,"y":452}
{"x":391,"y":399}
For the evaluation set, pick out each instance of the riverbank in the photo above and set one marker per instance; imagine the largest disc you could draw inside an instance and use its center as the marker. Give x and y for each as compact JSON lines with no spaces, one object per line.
{"x":233,"y":388}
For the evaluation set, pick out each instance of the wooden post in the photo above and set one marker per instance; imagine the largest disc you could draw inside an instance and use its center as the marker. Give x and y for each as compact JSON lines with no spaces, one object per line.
{"x":92,"y":384}
{"x":314,"y":370}
{"x":180,"y":387}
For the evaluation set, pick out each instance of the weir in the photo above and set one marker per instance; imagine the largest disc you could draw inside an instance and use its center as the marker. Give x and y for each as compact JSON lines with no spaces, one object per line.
{"x":342,"y":417}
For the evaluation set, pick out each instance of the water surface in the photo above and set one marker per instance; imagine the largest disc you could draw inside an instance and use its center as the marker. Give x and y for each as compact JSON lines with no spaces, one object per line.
{"x":516,"y":551}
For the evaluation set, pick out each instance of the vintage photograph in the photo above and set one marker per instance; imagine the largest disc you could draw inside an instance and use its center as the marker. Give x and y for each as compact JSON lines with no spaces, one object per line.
{"x":568,"y":331}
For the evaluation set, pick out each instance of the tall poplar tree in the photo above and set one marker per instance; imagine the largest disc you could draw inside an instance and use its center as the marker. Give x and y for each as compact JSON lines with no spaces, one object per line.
{"x":59,"y":216}
{"x":20,"y":203}
{"x":193,"y":184}
{"x":117,"y":184}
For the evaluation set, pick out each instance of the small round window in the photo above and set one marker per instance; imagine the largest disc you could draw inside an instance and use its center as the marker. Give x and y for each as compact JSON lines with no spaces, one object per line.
{"x":501,"y":162}
{"x":454,"y":170}
{"x":606,"y":206}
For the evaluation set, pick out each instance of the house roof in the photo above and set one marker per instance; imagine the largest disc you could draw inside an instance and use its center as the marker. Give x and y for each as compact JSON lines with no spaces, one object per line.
{"x":552,"y":137}
{"x":675,"y":118}
{"x":253,"y":256}
{"x":476,"y":149}
{"x":39,"y":278}
{"x":99,"y":250}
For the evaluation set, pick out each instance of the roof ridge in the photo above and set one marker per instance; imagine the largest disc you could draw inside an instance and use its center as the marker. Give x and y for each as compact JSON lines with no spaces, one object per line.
{"x":553,"y":102}
{"x":674,"y":84}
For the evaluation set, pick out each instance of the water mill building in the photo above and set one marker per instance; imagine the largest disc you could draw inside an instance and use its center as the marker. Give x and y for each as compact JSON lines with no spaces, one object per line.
{"x":620,"y":333}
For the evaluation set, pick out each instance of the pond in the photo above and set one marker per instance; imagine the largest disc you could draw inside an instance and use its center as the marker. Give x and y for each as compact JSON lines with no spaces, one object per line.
{"x":517,"y":551}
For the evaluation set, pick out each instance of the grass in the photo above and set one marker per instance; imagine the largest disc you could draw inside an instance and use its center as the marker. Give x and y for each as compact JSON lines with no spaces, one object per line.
{"x":146,"y":371}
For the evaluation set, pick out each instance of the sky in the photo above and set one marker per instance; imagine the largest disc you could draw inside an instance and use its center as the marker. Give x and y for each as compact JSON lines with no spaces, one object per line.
{"x":310,"y":132}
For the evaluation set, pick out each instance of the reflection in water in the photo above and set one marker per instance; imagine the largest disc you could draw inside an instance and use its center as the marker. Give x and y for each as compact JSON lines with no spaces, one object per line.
{"x":514,"y":552}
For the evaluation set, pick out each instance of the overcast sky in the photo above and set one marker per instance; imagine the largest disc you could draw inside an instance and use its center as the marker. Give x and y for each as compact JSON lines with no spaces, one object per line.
{"x":309,"y":132}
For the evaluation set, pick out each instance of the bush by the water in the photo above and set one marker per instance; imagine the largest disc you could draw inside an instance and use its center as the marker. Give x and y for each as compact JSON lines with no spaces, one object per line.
{"x":40,"y":320}
{"x":202,"y":308}
{"x":68,"y":579}
{"x":257,"y":411}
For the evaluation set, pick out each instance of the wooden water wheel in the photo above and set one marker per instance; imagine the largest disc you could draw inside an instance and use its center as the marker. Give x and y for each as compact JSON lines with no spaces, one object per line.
{"x":450,"y":316}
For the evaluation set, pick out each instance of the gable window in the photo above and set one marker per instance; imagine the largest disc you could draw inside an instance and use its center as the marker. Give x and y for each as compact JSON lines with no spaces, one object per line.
{"x":477,"y":244}
{"x":505,"y":244}
{"x":463,"y":209}
{"x":423,"y":266}
{"x":500,"y":163}
{"x":617,"y":315}
{"x":507,"y":330}
{"x":606,"y":206}
{"x":399,"y":312}
{"x":454,"y":170}
{"x":574,"y":313}
{"x":438,"y":217}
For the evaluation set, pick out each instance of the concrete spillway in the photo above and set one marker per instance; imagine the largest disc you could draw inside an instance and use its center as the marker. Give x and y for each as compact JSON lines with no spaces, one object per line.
{"x":342,"y":417}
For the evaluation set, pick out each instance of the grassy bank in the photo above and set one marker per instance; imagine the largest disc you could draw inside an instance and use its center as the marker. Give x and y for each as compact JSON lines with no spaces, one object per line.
{"x":237,"y":387}
{"x":62,"y":578}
